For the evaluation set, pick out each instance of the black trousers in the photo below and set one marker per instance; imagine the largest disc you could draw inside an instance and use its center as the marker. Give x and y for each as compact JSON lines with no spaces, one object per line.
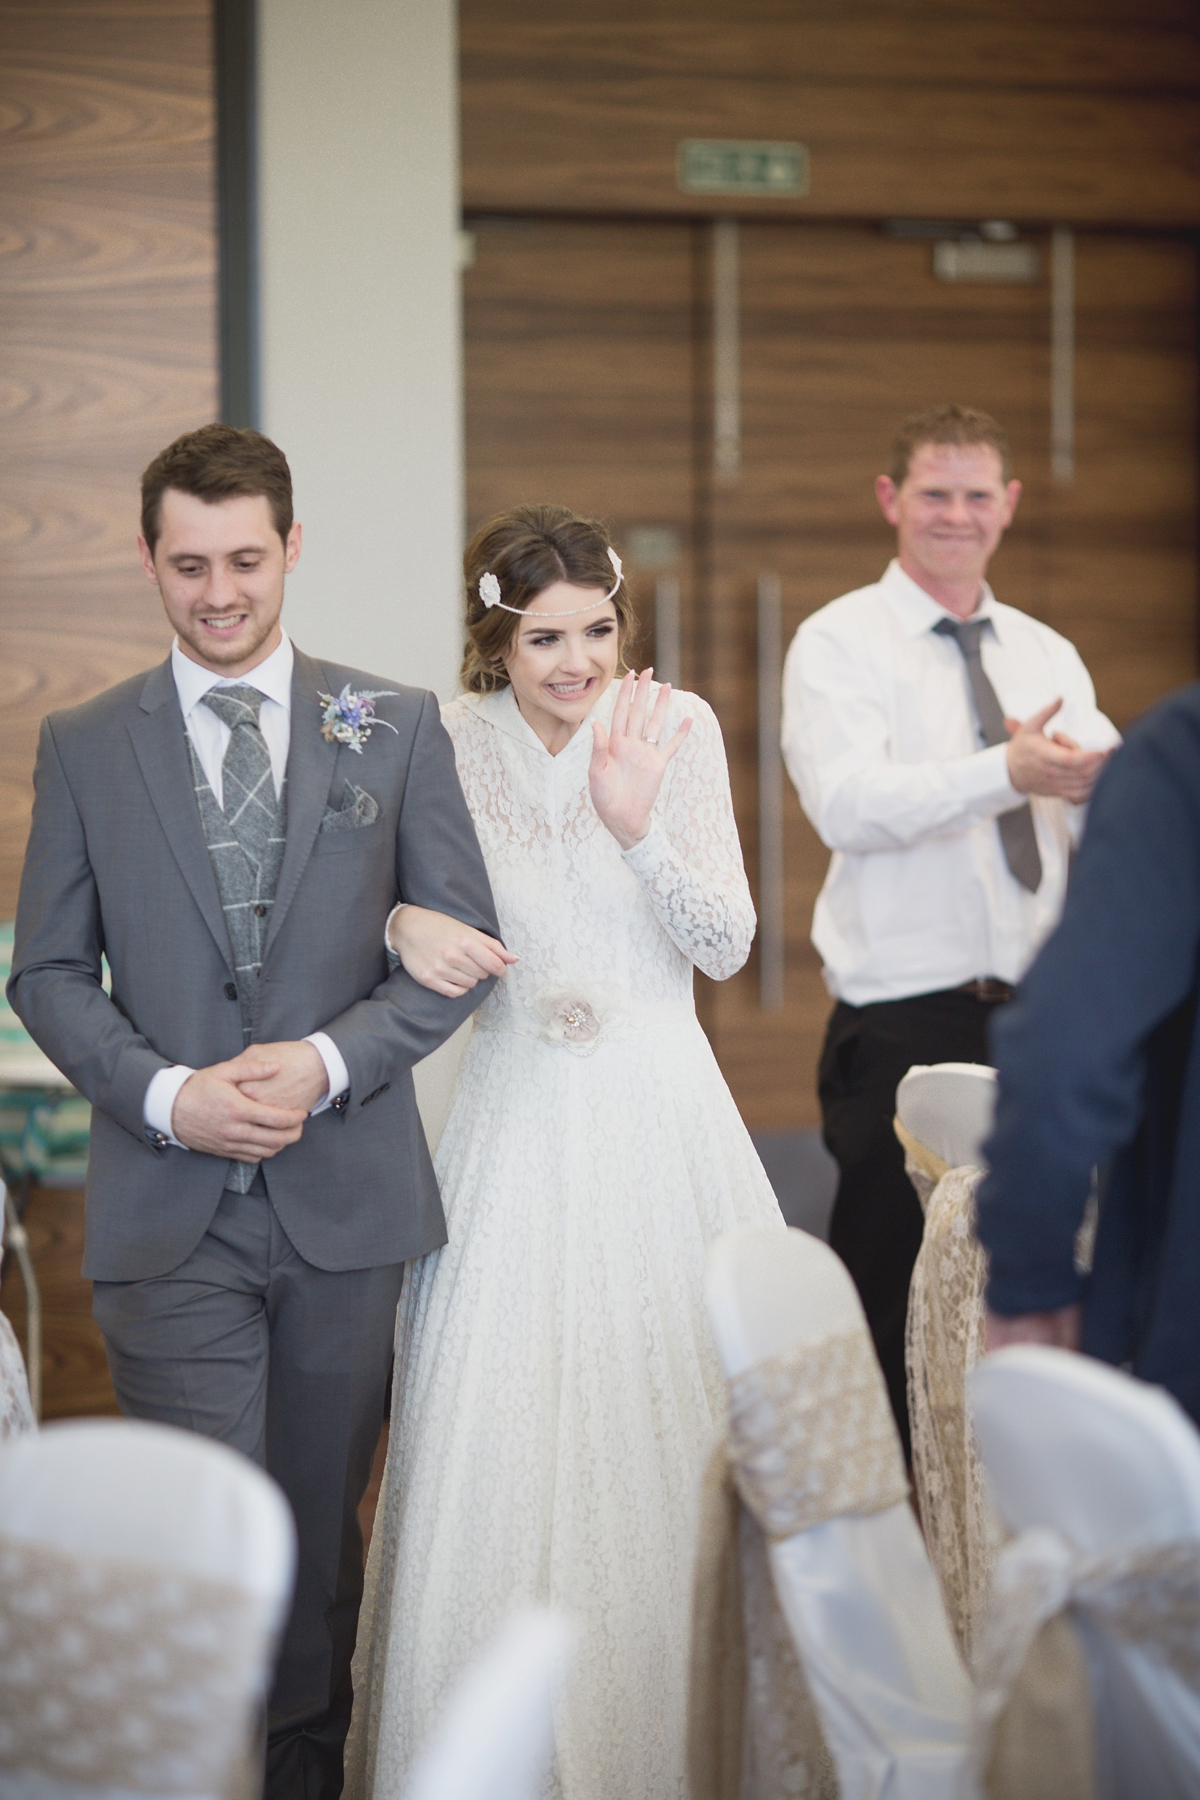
{"x":877,"y":1221}
{"x":248,"y":1343}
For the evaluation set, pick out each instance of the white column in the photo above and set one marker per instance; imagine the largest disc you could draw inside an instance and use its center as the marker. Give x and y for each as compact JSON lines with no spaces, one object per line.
{"x":360,"y":323}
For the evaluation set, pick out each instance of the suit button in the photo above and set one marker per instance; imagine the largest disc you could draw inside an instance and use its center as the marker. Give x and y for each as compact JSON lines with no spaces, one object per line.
{"x":230,"y":991}
{"x":260,"y":911}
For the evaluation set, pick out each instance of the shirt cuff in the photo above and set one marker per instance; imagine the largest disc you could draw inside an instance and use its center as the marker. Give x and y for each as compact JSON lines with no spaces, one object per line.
{"x":986,"y":781}
{"x":159,"y":1102}
{"x":335,"y":1068}
{"x":387,"y":942}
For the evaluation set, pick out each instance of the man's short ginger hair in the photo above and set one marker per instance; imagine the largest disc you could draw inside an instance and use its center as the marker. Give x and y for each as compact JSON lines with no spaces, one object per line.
{"x":948,"y":424}
{"x":218,"y":462}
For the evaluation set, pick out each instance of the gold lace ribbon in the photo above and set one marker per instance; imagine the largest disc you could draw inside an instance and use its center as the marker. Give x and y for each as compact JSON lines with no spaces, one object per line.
{"x":119,"y":1674}
{"x":811,"y":1438}
{"x":1032,"y":1735}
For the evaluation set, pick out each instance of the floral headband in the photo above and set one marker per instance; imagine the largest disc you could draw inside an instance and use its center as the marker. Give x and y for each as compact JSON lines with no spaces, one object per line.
{"x":489,"y":593}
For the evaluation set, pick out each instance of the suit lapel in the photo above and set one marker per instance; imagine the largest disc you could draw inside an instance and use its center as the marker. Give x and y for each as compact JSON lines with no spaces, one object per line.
{"x":310,"y":770}
{"x":160,"y":745}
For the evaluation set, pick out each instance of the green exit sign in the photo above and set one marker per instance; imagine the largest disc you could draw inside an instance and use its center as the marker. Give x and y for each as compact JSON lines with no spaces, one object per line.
{"x":732,"y":166}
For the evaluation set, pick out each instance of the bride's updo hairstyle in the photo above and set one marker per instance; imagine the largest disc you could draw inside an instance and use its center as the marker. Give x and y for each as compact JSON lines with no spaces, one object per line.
{"x":528,"y":549}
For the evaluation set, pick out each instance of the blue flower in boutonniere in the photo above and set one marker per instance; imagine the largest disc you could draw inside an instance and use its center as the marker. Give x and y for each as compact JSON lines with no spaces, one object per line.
{"x":351,"y":717}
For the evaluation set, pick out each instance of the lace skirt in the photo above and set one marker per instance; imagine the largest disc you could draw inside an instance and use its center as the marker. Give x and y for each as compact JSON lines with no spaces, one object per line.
{"x":556,"y":1392}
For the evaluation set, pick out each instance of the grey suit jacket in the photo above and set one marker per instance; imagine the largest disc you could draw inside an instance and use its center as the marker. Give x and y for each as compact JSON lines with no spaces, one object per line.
{"x":117,"y":866}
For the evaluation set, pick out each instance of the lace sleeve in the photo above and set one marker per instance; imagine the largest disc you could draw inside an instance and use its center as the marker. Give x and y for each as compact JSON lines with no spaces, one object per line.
{"x":689,"y":863}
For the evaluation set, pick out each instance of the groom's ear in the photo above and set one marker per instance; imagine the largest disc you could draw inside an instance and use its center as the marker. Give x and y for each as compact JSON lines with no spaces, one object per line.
{"x":291,"y":547}
{"x":147,"y":559}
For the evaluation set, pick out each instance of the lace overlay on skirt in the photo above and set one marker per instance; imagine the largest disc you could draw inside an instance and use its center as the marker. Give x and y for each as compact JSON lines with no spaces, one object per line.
{"x":123,"y":1675}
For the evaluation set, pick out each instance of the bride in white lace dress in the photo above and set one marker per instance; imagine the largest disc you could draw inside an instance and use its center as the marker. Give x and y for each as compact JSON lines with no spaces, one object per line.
{"x":555,"y":1385}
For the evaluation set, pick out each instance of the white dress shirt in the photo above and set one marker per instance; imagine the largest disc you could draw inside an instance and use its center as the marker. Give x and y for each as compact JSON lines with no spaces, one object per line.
{"x":881,"y":739}
{"x":210,"y":740}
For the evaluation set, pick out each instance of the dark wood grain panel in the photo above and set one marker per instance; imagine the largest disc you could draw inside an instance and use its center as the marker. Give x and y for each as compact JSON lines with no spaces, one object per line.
{"x":107,"y":339}
{"x":991,"y":107}
{"x":876,"y":152}
{"x":579,"y":378}
{"x":1127,"y":47}
{"x":75,"y":1378}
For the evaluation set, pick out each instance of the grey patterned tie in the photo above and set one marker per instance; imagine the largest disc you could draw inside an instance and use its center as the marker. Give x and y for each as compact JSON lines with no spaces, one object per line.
{"x":1017,"y":835}
{"x":245,"y":841}
{"x":248,"y":798}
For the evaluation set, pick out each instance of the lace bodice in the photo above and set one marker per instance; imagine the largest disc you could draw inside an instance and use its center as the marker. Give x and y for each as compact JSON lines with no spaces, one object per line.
{"x":614,"y":929}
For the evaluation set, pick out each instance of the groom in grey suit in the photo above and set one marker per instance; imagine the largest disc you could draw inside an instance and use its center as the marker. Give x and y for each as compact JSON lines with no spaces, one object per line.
{"x":230,"y":831}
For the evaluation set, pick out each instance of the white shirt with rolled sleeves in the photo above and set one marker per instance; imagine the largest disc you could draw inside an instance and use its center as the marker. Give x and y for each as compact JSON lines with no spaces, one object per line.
{"x":881,"y":739}
{"x":210,"y":739}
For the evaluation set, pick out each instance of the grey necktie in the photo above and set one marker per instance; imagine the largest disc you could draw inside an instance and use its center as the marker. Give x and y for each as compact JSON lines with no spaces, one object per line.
{"x":248,"y":868}
{"x":1017,"y":835}
{"x":248,"y":787}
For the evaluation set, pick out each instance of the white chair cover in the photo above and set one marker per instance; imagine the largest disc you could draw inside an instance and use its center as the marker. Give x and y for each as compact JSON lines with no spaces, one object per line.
{"x":857,"y":1589}
{"x":16,"y":1406}
{"x":1100,"y":1476}
{"x":144,"y":1576}
{"x":495,"y":1738}
{"x":949,"y":1107}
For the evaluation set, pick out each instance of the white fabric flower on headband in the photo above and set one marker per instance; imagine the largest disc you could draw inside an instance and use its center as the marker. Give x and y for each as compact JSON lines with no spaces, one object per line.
{"x":489,"y":589}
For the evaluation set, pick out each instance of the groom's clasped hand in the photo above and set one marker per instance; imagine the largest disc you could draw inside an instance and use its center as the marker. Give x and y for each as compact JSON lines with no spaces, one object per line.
{"x":253,"y":1106}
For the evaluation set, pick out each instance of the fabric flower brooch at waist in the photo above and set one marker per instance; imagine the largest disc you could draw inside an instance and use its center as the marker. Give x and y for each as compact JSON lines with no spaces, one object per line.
{"x":351,"y":718}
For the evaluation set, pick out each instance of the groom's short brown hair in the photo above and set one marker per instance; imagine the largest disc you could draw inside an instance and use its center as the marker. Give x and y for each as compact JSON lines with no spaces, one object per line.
{"x":216,"y":463}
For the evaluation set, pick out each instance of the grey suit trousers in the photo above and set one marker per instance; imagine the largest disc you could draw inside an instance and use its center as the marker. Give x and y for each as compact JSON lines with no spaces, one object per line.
{"x":248,"y":1343}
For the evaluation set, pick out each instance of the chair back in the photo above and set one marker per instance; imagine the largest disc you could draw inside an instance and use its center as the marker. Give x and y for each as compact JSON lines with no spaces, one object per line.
{"x":1111,"y":1467}
{"x":857,"y":1589}
{"x":949,"y":1108}
{"x":495,"y":1738}
{"x":144,"y":1578}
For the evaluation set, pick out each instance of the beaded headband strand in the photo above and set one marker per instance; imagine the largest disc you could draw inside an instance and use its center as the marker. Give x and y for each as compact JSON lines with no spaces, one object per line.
{"x":489,"y":593}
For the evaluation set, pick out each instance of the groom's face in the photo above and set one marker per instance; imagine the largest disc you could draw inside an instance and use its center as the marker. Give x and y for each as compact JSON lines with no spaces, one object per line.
{"x":220,"y":570}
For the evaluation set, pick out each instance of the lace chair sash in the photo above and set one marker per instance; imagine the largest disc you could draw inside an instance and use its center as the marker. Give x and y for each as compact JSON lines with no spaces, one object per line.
{"x":1031,"y":1676}
{"x":811,"y":1436}
{"x":125,"y":1676}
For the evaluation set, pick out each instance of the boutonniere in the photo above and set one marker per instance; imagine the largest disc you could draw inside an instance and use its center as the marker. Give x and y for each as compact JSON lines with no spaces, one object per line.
{"x":351,"y":717}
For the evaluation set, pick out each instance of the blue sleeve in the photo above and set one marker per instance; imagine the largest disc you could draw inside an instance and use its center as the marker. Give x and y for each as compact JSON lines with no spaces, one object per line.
{"x":1071,"y":1048}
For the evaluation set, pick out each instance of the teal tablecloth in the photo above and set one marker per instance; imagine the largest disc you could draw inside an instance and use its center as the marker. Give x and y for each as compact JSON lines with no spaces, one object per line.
{"x":44,"y":1123}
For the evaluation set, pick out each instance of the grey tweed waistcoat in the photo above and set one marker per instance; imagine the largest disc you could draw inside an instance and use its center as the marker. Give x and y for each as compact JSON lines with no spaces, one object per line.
{"x":247,"y":895}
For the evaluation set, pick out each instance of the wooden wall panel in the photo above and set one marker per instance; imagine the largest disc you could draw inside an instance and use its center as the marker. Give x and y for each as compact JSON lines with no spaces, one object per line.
{"x":580,"y":378}
{"x":75,"y":1378}
{"x":108,"y":343}
{"x":965,"y":109}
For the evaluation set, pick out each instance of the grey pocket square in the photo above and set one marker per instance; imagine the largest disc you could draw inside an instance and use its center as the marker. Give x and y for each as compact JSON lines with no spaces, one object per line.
{"x":357,"y":809}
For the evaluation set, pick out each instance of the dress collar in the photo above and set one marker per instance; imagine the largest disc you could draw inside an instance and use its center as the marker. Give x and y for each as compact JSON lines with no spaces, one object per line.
{"x":919,"y":612}
{"x":272,"y":677}
{"x":500,"y":709}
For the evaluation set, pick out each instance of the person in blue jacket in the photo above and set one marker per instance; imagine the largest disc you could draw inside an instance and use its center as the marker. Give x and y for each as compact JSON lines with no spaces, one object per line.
{"x":1099,"y":1061}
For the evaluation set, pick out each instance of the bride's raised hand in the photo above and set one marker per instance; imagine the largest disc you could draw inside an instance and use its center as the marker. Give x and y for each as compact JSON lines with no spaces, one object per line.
{"x":630,"y":759}
{"x":444,"y":954}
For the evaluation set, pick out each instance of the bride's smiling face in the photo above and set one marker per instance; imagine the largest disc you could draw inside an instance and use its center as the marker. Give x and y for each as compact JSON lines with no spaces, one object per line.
{"x":559,"y":667}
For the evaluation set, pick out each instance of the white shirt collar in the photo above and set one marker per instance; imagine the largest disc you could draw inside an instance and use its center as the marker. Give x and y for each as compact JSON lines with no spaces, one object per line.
{"x":272,"y":677}
{"x":918,"y":611}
